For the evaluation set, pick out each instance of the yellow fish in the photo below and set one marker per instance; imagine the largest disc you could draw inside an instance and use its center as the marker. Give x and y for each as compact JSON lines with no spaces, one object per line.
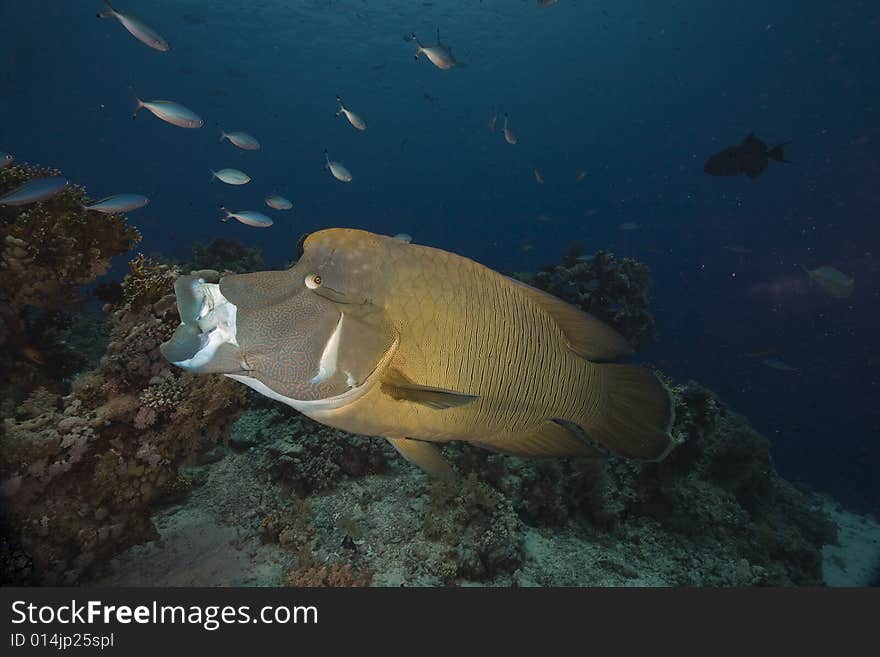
{"x":832,"y":281}
{"x":372,"y":335}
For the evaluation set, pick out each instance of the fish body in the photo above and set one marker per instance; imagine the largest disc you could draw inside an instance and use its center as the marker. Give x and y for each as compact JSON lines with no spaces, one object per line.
{"x":248,"y":217}
{"x":338,"y":170}
{"x":538,"y":177}
{"x":439,"y":55}
{"x":170,"y":112}
{"x":580,"y":174}
{"x":832,"y":281}
{"x":353,"y":118}
{"x":37,"y":189}
{"x":242,"y":140}
{"x":493,"y":122}
{"x":776,"y":364}
{"x":277,"y":202}
{"x":629,"y":225}
{"x":376,"y":336}
{"x":137,"y":28}
{"x":6,"y":159}
{"x":750,"y":158}
{"x":119,"y":203}
{"x":231,"y":176}
{"x":404,"y":237}
{"x":509,"y":135}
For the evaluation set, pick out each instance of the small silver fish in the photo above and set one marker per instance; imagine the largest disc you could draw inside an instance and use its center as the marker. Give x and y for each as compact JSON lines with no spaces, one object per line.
{"x":241,"y":139}
{"x":439,"y":55}
{"x":138,"y":29}
{"x":353,"y":118}
{"x":277,"y":202}
{"x":338,"y":170}
{"x":118,"y":203}
{"x":406,"y":238}
{"x":231,"y":176}
{"x":6,"y":159}
{"x":170,"y":112}
{"x":580,"y":174}
{"x":248,"y":217}
{"x":776,"y":364}
{"x":38,"y":189}
{"x":492,"y":122}
{"x":629,"y":225}
{"x":538,"y":177}
{"x":509,"y":135}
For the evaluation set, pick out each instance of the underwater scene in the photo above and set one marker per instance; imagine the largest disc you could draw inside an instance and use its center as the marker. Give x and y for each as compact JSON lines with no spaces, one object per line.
{"x":336,"y":293}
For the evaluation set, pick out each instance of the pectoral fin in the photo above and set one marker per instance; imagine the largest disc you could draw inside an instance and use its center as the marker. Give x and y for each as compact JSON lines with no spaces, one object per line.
{"x":400,"y":388}
{"x":425,"y":455}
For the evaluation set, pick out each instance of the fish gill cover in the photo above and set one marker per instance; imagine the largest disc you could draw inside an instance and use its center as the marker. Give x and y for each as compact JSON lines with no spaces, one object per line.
{"x":700,"y":179}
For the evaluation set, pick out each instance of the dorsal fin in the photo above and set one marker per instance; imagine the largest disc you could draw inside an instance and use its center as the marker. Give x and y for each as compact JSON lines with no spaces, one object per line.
{"x":398,"y":387}
{"x":587,"y":336}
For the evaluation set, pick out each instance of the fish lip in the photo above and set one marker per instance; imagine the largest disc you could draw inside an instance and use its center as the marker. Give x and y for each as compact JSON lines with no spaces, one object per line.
{"x":215,"y":320}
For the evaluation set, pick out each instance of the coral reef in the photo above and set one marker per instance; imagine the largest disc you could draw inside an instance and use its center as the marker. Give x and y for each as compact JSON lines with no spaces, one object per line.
{"x":79,"y":473}
{"x":225,"y":255}
{"x":616,"y":291}
{"x":48,"y":250}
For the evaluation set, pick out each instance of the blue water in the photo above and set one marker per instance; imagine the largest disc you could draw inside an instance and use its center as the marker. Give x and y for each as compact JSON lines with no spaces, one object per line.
{"x":639,"y":93}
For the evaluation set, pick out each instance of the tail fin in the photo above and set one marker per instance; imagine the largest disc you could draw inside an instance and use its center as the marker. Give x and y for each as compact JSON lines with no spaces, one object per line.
{"x":214,"y":175}
{"x":223,"y":134}
{"x":139,"y":102}
{"x":226,"y":212}
{"x":109,"y":13}
{"x":632,"y":413}
{"x":778,"y":153}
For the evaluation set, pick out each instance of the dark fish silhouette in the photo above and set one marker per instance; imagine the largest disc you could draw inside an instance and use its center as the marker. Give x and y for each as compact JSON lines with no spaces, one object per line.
{"x":750,"y":157}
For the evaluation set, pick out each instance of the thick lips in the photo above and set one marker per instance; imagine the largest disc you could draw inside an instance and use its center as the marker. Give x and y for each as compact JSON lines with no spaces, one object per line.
{"x":205,"y":341}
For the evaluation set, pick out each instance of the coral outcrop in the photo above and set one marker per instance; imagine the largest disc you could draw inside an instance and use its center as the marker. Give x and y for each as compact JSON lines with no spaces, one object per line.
{"x":225,"y":255}
{"x":616,"y":290}
{"x":48,"y":251}
{"x":78,"y":473}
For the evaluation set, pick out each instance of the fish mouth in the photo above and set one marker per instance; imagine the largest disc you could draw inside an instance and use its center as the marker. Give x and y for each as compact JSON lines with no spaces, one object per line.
{"x":205,"y":341}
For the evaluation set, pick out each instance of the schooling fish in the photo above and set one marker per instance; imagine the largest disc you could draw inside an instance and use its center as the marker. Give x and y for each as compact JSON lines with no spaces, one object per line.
{"x":119,"y":203}
{"x":538,"y":177}
{"x":353,"y":118}
{"x":509,"y":135}
{"x":339,"y":171}
{"x":170,"y":112}
{"x":750,"y":157}
{"x":439,"y":55}
{"x":5,"y":160}
{"x":231,"y":176}
{"x":278,"y":202}
{"x":493,"y":122}
{"x":38,"y":189}
{"x":832,"y":281}
{"x":249,"y":217}
{"x":421,"y":346}
{"x":579,"y":175}
{"x":241,"y":139}
{"x":138,"y":29}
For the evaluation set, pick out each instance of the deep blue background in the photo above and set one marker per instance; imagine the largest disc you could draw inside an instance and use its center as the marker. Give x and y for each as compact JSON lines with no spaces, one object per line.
{"x":638,"y":92}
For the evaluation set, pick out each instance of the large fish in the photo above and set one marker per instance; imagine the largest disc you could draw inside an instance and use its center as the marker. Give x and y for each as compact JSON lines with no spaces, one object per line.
{"x":36,"y":189}
{"x":375,"y":336}
{"x":138,"y":29}
{"x":749,"y":157}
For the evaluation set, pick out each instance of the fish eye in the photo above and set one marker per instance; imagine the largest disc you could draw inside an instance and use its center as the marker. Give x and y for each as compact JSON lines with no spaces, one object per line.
{"x":313,"y":281}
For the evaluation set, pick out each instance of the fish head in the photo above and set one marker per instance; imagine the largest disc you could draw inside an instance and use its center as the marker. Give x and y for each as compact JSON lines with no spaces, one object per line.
{"x":307,"y":334}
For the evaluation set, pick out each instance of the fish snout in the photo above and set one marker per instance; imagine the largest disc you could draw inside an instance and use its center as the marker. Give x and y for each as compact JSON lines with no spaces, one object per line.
{"x":205,"y":341}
